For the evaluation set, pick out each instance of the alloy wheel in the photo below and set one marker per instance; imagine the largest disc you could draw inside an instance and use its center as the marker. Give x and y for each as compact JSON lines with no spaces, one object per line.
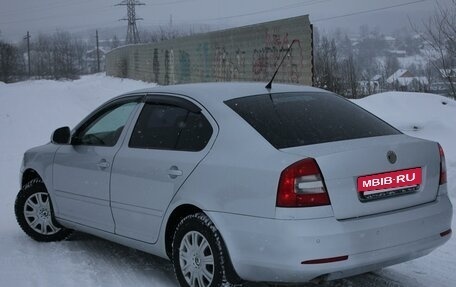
{"x":196,"y":260}
{"x":37,"y":213}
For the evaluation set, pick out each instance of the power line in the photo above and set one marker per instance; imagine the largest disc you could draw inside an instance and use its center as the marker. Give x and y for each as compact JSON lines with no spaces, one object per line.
{"x":170,"y":3}
{"x":369,"y":11}
{"x":303,"y":4}
{"x":314,"y":2}
{"x":284,"y":7}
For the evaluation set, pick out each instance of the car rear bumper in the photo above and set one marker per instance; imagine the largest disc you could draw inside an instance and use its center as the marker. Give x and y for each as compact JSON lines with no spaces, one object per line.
{"x":272,"y":250}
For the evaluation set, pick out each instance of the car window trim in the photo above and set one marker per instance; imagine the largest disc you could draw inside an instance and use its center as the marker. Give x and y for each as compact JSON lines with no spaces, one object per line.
{"x":172,"y":101}
{"x":101,"y":110}
{"x":134,"y":123}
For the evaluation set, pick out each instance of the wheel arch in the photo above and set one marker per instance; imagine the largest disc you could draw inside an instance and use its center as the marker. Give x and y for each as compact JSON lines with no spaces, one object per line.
{"x":28,"y":175}
{"x":175,"y":217}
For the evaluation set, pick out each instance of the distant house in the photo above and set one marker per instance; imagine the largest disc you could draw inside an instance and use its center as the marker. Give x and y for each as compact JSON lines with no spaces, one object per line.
{"x":398,"y":53}
{"x":370,"y":87}
{"x":377,"y":78}
{"x":399,"y":74}
{"x":389,"y":38}
{"x":92,"y":63}
{"x":404,"y":80}
{"x":390,"y":41}
{"x":439,"y":88}
{"x":442,"y":87}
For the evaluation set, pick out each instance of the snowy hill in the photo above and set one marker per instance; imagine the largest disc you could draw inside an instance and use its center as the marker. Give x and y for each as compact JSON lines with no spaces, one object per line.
{"x":420,"y":115}
{"x":30,"y":111}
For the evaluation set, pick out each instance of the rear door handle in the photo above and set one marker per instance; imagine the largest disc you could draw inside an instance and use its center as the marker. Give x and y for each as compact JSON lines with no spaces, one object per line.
{"x":174,"y":172}
{"x":103,"y":164}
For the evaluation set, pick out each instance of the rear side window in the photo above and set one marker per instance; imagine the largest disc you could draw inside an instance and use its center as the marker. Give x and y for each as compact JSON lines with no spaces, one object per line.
{"x":169,"y":127}
{"x":297,"y":119}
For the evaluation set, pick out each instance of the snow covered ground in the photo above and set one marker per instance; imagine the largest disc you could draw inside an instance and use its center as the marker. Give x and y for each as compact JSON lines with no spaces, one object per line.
{"x":30,"y":111}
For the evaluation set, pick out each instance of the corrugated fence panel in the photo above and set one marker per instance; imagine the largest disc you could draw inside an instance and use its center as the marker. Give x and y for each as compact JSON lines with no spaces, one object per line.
{"x":248,"y":53}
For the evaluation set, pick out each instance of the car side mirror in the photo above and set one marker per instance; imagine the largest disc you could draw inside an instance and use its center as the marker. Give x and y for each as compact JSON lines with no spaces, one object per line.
{"x":61,"y":136}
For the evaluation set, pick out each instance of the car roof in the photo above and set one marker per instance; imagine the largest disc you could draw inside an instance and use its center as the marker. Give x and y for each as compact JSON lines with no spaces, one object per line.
{"x":222,"y":91}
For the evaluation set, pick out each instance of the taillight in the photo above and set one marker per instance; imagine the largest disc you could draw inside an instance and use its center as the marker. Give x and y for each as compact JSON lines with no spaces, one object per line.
{"x":443,"y":172}
{"x":301,"y":185}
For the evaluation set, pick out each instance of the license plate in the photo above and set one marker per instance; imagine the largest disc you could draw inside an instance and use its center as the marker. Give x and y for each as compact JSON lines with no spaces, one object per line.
{"x":389,"y":181}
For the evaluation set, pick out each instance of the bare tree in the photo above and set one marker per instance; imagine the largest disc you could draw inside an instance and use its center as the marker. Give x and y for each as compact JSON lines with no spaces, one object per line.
{"x":42,"y":57}
{"x":63,"y":56}
{"x":349,"y":71}
{"x":350,"y":76}
{"x":115,"y":42}
{"x":327,"y":67}
{"x":440,"y":35}
{"x":168,"y":32}
{"x":9,"y":63}
{"x":58,"y":56}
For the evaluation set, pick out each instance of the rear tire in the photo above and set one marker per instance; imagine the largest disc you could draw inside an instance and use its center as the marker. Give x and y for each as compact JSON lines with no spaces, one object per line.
{"x":199,"y":255}
{"x":35,"y":215}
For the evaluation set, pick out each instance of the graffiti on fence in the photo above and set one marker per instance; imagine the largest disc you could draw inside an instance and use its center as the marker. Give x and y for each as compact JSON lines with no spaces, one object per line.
{"x":203,"y":71}
{"x":156,"y":66}
{"x":167,"y":68}
{"x":266,"y":59}
{"x":184,"y":67}
{"x":228,"y":67}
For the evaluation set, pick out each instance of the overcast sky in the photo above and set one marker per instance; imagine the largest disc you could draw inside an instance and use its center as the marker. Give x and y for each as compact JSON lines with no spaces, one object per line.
{"x":18,"y":16}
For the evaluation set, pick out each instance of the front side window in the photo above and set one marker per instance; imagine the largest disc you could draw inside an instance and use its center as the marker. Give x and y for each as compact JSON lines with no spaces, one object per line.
{"x":105,"y":129}
{"x":169,"y":127}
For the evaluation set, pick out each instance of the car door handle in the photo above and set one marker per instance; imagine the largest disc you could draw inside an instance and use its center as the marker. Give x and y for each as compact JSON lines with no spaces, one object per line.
{"x":103,"y":164}
{"x":174,"y":172}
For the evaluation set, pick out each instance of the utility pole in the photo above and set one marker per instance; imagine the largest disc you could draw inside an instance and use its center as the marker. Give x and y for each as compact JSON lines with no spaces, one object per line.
{"x":27,"y":37}
{"x":98,"y":53}
{"x":132,"y":30}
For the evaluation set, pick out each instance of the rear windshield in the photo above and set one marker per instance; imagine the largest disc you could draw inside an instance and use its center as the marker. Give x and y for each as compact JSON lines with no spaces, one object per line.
{"x":297,"y":119}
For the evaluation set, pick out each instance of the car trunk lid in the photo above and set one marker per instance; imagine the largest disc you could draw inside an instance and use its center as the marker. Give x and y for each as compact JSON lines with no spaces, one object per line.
{"x":342,"y":163}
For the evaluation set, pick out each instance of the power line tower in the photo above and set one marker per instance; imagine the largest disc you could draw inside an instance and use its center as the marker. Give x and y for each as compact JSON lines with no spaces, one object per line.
{"x":132,"y":30}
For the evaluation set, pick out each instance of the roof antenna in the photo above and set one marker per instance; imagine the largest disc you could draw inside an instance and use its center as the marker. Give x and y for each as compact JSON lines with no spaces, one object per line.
{"x":269,"y":85}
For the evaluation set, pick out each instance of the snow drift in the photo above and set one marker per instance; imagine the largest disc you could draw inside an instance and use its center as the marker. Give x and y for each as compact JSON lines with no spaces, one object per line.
{"x":30,"y":111}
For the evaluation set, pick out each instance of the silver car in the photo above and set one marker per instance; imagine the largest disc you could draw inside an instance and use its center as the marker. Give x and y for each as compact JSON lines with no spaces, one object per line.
{"x":235,"y":182}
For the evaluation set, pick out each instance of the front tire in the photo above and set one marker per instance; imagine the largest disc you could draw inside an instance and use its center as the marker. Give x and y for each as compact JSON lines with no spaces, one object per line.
{"x":34,"y":213}
{"x":199,"y":255}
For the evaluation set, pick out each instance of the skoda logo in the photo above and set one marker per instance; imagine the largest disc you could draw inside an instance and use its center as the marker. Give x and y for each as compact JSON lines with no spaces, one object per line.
{"x":392,"y":157}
